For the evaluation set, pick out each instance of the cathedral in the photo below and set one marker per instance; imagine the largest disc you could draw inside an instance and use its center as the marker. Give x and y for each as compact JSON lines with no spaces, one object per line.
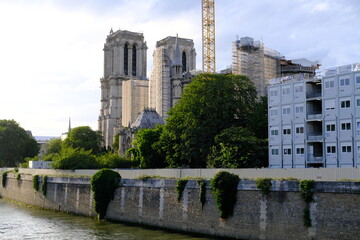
{"x":128,"y":96}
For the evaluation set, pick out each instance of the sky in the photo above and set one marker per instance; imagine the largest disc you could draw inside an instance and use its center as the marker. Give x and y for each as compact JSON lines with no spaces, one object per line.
{"x":51,"y":57}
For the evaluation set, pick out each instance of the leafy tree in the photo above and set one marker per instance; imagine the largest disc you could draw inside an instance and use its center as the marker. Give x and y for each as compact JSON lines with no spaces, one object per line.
{"x":237,"y":147}
{"x":74,"y":158}
{"x":258,"y":122}
{"x":210,"y":104}
{"x":53,"y":146}
{"x":113,"y":160}
{"x":15,"y":144}
{"x":84,"y":137}
{"x":145,"y":150}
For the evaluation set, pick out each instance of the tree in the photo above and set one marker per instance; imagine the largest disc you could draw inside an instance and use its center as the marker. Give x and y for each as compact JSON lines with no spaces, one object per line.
{"x":210,"y":104}
{"x":258,"y":122}
{"x":15,"y":144}
{"x":53,"y":146}
{"x":74,"y":158}
{"x":237,"y":147}
{"x":84,"y":137}
{"x":146,"y":151}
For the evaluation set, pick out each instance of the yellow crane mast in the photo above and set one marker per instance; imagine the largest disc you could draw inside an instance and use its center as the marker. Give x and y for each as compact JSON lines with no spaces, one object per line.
{"x":208,"y":36}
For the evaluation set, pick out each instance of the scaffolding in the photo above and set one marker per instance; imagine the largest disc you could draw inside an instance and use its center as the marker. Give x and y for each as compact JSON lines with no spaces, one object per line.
{"x":252,"y":59}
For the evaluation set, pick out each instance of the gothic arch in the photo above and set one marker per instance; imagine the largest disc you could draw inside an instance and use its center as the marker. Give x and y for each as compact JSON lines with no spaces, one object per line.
{"x":184,"y":61}
{"x":126,"y":58}
{"x":134,"y":59}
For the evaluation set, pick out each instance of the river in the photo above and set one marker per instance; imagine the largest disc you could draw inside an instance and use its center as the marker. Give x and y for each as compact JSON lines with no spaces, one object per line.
{"x":26,"y":223}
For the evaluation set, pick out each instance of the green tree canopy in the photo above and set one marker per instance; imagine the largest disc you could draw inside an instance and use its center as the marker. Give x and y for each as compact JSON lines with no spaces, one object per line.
{"x":74,"y":158}
{"x":53,"y":146}
{"x":15,"y":144}
{"x":84,"y":137}
{"x":210,"y":104}
{"x":145,"y":151}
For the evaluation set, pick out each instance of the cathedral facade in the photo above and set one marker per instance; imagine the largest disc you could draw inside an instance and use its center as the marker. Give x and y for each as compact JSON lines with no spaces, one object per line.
{"x":126,"y":93}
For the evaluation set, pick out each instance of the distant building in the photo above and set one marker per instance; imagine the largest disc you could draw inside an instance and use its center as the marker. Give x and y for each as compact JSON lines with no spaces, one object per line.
{"x":124,"y":86}
{"x":315,"y":121}
{"x":174,"y":58}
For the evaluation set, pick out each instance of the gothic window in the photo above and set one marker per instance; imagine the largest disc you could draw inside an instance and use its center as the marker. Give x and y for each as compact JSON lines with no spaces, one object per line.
{"x":133,"y":64}
{"x":183,"y":62}
{"x":126,"y":59}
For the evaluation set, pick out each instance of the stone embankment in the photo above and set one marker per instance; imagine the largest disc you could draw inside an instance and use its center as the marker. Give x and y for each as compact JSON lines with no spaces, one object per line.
{"x":334,"y":213}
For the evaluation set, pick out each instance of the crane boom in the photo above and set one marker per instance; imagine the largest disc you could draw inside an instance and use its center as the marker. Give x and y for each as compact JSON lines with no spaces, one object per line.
{"x":208,"y":36}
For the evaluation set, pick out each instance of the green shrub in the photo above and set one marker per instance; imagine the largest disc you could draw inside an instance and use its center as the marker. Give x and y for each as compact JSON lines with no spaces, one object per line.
{"x":4,"y":179}
{"x":103,"y":185}
{"x":44,"y":186}
{"x":305,"y":190}
{"x":35,"y":182}
{"x":264,"y":184}
{"x":224,"y":188}
{"x":202,"y":192}
{"x":180,"y":186}
{"x":18,"y":176}
{"x":74,"y":158}
{"x":306,"y":217}
{"x":113,"y":160}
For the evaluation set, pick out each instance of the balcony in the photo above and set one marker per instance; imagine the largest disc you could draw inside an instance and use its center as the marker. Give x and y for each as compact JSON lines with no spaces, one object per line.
{"x":314,"y":116}
{"x":315,"y":137}
{"x":311,"y":158}
{"x":313,"y":94}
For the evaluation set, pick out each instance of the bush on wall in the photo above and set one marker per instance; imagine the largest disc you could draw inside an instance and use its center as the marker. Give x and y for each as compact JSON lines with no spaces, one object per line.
{"x":307,"y":195}
{"x":224,"y":188}
{"x":103,"y":185}
{"x":35,"y":182}
{"x":180,"y":186}
{"x":264,"y":184}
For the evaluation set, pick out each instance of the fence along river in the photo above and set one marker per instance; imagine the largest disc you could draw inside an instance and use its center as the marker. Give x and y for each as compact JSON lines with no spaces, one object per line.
{"x":21,"y":222}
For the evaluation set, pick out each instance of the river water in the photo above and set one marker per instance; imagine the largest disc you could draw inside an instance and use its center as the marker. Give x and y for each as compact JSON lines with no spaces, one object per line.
{"x":23,"y":223}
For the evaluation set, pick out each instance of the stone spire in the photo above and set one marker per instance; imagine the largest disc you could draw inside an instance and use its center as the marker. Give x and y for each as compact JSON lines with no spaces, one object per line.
{"x":177,"y":55}
{"x":69,"y":125}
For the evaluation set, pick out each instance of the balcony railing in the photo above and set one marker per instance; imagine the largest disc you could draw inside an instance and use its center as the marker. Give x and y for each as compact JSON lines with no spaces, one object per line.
{"x":314,"y":116}
{"x":315,"y":137}
{"x":314,"y":159}
{"x":316,"y":94}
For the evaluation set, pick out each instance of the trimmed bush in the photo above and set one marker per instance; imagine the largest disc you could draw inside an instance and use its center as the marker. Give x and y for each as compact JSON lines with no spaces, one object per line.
{"x":224,"y":188}
{"x":305,"y":190}
{"x":44,"y":186}
{"x":4,"y":178}
{"x":35,"y":182}
{"x":264,"y":184}
{"x":180,"y":186}
{"x":103,"y":185}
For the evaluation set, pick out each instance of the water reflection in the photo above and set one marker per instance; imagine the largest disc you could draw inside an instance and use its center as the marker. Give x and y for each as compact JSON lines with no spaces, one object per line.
{"x":20,"y":222}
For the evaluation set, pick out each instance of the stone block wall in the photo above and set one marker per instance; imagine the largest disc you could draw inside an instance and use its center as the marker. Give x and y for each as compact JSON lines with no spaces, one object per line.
{"x":335,"y":213}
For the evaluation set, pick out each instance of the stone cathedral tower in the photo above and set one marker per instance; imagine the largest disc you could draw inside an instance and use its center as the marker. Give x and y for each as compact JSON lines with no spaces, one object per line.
{"x":124,"y":87}
{"x":174,"y":58}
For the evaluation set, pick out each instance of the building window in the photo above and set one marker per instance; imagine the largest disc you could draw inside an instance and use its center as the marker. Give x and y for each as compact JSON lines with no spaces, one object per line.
{"x":274,"y":132}
{"x":300,"y":151}
{"x":299,"y":89}
{"x":344,"y":82}
{"x":286,"y":110}
{"x":330,"y":127}
{"x":345,"y":104}
{"x":299,"y":109}
{"x":358,"y":126}
{"x":287,"y":131}
{"x":126,"y":59}
{"x":330,"y":149}
{"x":133,"y":67}
{"x":273,"y":93}
{"x":299,"y":130}
{"x":274,"y":151}
{"x":273,"y":112}
{"x":346,"y":149}
{"x":358,"y":102}
{"x":287,"y":151}
{"x":345,"y":126}
{"x":329,"y":104}
{"x":184,"y":62}
{"x":329,"y":84}
{"x":357,"y":79}
{"x":286,"y":90}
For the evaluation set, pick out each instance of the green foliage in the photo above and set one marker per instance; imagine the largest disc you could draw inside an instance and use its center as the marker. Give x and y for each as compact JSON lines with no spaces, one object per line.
{"x":264,"y":184}
{"x":4,"y":179}
{"x":202,"y":192}
{"x":116,"y":143}
{"x":103,"y":185}
{"x":306,"y":217}
{"x":44,"y":185}
{"x":237,"y":147}
{"x":70,"y":158}
{"x":18,"y":176}
{"x":180,"y":186}
{"x":146,"y":149}
{"x":305,"y":190}
{"x":25,"y":164}
{"x":53,"y":146}
{"x":258,"y":122}
{"x":224,"y":188}
{"x":15,"y":144}
{"x":35,"y":182}
{"x":209,"y":104}
{"x":84,"y":137}
{"x":113,"y":160}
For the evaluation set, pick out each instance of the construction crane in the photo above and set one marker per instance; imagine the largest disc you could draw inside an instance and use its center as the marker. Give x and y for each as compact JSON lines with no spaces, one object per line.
{"x":208,"y":36}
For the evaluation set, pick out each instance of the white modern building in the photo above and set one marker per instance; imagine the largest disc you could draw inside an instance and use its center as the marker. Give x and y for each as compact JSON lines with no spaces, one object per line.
{"x":315,"y":122}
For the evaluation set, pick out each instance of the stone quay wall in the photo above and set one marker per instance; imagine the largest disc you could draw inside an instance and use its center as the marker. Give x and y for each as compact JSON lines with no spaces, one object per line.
{"x":335,"y":212}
